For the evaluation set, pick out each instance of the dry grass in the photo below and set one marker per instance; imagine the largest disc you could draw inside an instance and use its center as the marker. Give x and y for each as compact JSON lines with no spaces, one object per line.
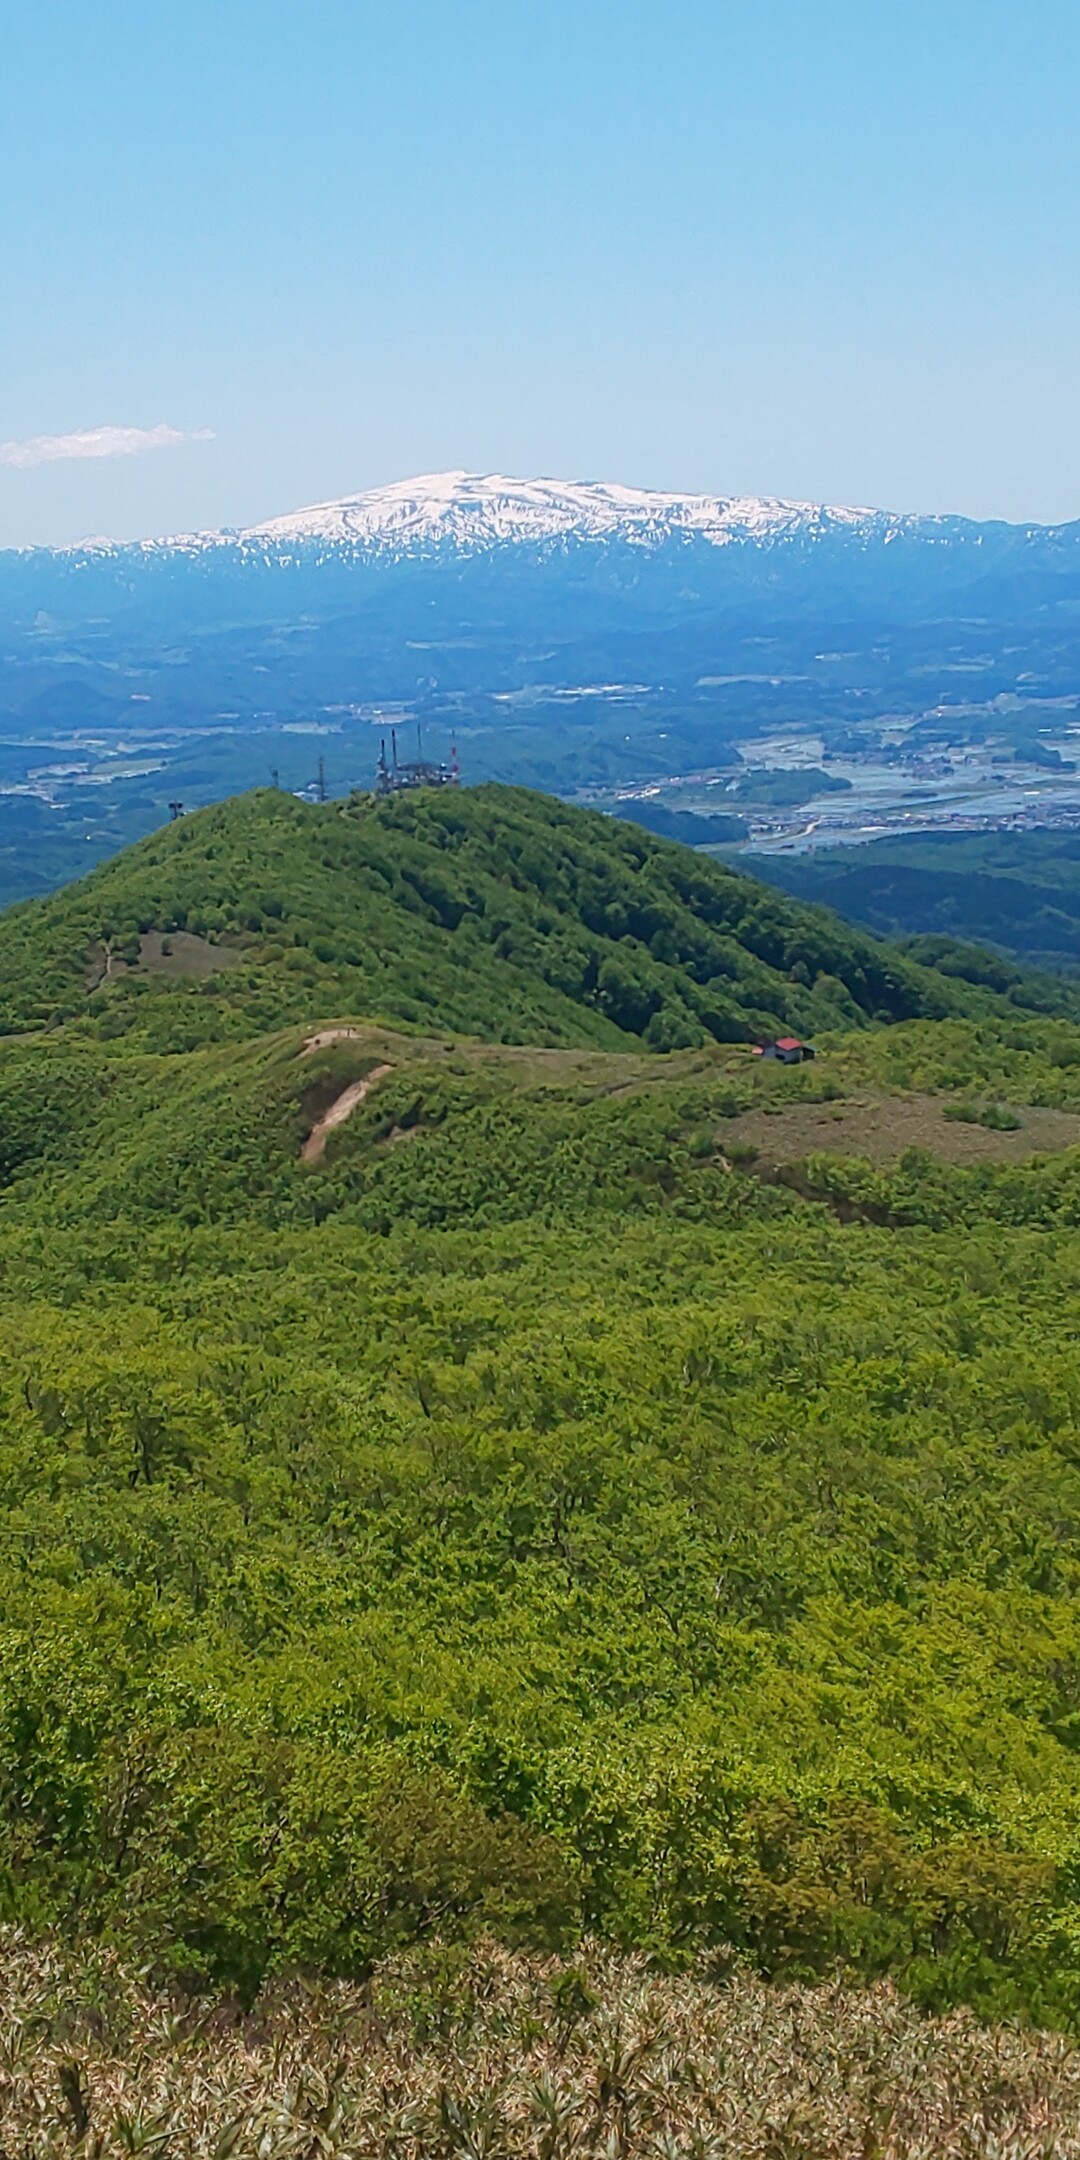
{"x":882,"y":1126}
{"x":507,"y":2056}
{"x":605,"y":1071}
{"x":184,"y":956}
{"x":178,"y":954}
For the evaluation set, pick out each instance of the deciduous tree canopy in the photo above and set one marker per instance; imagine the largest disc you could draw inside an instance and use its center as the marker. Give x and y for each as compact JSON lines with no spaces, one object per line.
{"x":536,"y":1514}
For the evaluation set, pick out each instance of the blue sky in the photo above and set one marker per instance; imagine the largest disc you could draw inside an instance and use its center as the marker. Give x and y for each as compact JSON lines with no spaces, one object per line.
{"x":820,"y":248}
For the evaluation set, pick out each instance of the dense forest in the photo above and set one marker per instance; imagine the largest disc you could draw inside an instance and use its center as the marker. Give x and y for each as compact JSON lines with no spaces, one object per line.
{"x":522,"y":1508}
{"x":1018,"y":890}
{"x":506,"y":914}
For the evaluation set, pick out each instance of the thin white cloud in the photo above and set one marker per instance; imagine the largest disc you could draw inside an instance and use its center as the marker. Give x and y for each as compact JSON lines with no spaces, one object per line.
{"x":99,"y":442}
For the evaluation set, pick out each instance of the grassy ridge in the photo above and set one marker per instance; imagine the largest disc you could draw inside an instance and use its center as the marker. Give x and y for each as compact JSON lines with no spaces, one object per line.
{"x":523,"y":1517}
{"x":526,"y":1519}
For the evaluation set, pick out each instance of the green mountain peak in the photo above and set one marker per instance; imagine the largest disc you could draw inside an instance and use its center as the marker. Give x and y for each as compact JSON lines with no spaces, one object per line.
{"x":496,"y":911}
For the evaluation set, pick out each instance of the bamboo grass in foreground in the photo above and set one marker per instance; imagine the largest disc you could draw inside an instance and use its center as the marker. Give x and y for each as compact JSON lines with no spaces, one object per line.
{"x":496,"y":2055}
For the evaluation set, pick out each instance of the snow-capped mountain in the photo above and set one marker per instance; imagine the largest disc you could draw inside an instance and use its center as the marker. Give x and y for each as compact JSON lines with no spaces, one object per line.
{"x":492,"y":599}
{"x":466,"y":560}
{"x":469,"y":511}
{"x":443,"y":515}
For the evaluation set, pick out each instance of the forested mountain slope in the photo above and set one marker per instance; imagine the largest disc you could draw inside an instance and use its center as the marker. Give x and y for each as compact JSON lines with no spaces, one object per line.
{"x":494,"y":910}
{"x":539,"y":1509}
{"x":1019,"y":890}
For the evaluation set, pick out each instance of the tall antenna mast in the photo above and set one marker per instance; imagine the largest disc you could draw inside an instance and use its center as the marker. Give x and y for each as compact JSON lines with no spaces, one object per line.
{"x":321,"y":784}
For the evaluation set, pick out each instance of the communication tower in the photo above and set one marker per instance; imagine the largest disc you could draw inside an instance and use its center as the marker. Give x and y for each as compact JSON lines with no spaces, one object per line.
{"x":399,"y":775}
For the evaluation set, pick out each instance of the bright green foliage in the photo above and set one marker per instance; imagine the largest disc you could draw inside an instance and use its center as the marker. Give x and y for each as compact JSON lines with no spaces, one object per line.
{"x":508,"y":915}
{"x":746,"y":1592}
{"x":519,"y":1519}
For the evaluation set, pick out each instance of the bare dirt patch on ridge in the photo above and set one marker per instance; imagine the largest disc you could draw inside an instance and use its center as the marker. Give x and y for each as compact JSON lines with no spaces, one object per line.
{"x":340,"y":1109}
{"x":881,"y":1127}
{"x":180,"y":955}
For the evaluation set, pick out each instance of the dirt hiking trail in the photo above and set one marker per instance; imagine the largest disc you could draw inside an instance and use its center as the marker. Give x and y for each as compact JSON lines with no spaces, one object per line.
{"x":339,"y":1110}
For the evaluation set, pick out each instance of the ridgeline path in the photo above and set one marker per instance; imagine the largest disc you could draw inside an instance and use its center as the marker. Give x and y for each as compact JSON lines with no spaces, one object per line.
{"x":339,"y":1110}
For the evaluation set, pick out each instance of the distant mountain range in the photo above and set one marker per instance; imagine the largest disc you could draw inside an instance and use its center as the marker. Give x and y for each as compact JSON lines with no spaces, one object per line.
{"x":454,"y":514}
{"x":467,"y":513}
{"x":572,"y":634}
{"x":482,"y":556}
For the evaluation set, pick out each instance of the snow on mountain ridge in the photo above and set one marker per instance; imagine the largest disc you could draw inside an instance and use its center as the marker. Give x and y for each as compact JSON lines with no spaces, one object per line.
{"x":468,"y":513}
{"x":479,"y":510}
